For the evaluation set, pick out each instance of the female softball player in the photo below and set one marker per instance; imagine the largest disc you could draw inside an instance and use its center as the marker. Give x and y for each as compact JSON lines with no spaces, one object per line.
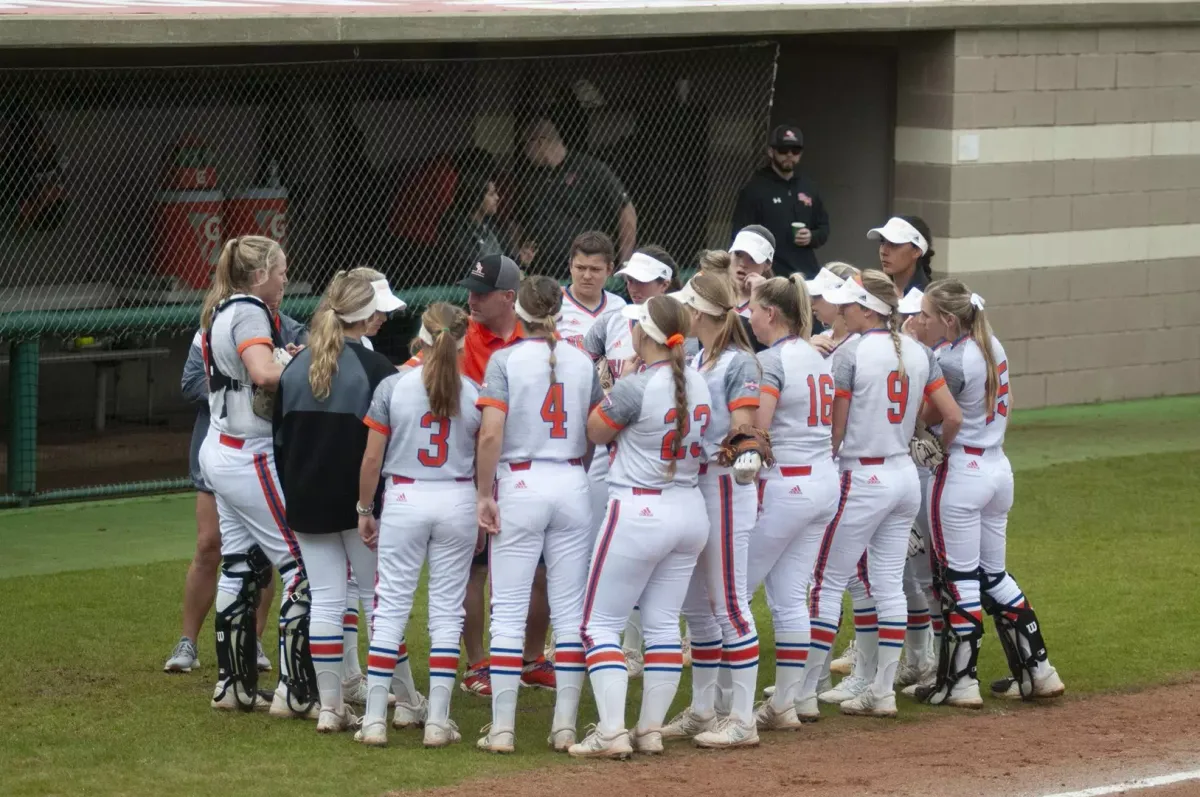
{"x":237,"y":462}
{"x":753,"y":249}
{"x":717,"y":607}
{"x":319,"y":442}
{"x":799,"y":494}
{"x":532,"y":449}
{"x":585,"y":300}
{"x":422,"y":423}
{"x":874,"y":414}
{"x":654,"y":530}
{"x":969,"y":501}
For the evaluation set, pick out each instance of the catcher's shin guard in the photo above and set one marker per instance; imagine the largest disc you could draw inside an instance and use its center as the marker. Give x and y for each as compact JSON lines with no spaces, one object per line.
{"x":237,"y":644}
{"x":1020,"y":635}
{"x":301,"y":679}
{"x":948,"y":674}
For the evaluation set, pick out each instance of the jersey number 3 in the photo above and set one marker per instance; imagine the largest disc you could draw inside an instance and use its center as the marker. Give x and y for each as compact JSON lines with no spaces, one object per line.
{"x":897,"y":391}
{"x":439,"y":441}
{"x":554,"y":412}
{"x":671,"y":448}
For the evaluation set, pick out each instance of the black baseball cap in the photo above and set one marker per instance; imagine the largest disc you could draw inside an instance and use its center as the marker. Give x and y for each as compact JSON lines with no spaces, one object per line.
{"x":492,"y":273}
{"x":786,"y":136}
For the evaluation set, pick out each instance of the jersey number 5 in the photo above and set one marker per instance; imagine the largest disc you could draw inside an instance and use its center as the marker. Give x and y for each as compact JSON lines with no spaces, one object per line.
{"x":897,"y":388}
{"x":820,"y":400}
{"x":554,"y":412}
{"x":1001,"y":393}
{"x":439,"y":441}
{"x":671,"y":449}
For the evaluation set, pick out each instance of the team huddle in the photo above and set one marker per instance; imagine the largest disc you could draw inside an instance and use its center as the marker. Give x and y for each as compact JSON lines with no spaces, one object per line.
{"x":657,"y":461}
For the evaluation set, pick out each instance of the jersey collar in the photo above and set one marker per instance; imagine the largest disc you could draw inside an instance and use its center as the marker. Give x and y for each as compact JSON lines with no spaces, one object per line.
{"x":599,"y":308}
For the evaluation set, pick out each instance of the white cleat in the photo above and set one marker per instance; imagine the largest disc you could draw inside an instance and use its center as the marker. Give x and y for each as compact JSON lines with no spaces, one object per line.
{"x":728,"y":733}
{"x":224,"y":699}
{"x":496,"y":741}
{"x":918,"y":671}
{"x":769,"y":718}
{"x":329,"y":721}
{"x":184,"y":657}
{"x":868,"y":705}
{"x":372,"y":734}
{"x":768,"y":692}
{"x":964,"y":694}
{"x":437,"y":735}
{"x":635,"y":662}
{"x":561,"y":740}
{"x":1044,"y":688}
{"x":264,"y":664}
{"x":281,"y":709}
{"x":411,"y":715}
{"x":825,"y":684}
{"x":648,"y":742}
{"x":354,"y":690}
{"x":687,"y":724}
{"x":850,"y":687}
{"x":844,"y":663}
{"x":807,"y":709}
{"x":601,"y":745}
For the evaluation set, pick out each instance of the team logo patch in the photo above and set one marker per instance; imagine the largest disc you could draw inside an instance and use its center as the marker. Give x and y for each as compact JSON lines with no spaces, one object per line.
{"x":751,"y":386}
{"x":478,"y":270}
{"x":874,"y":480}
{"x":646,"y":512}
{"x":804,"y":198}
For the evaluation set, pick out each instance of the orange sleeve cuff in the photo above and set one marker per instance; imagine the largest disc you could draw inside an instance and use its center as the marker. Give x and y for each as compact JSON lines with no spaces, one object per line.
{"x":245,"y":344}
{"x":604,"y":417}
{"x":770,"y":391}
{"x":932,"y":387}
{"x":842,"y":394}
{"x":592,"y":408}
{"x":745,"y":401}
{"x":375,"y":425}
{"x":491,"y":402}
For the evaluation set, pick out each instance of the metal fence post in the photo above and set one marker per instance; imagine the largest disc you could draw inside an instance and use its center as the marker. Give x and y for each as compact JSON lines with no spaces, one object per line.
{"x":22,"y":422}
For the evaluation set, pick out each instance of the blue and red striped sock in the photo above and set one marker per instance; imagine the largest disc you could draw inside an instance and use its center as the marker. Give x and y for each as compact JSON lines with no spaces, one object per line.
{"x":791,"y":655}
{"x":381,"y":665}
{"x":660,"y":682}
{"x":325,"y":645}
{"x":610,"y":683}
{"x":740,"y":659}
{"x":505,"y":670}
{"x":706,"y":664}
{"x":443,"y":669}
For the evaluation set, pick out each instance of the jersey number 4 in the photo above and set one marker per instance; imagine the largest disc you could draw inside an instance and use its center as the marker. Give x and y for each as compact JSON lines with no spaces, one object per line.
{"x":1001,"y":393}
{"x":439,"y":441}
{"x":671,"y":448}
{"x":897,"y":390}
{"x":554,"y":411}
{"x":820,"y":400}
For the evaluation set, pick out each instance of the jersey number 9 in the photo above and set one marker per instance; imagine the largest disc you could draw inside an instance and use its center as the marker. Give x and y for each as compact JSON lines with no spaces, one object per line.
{"x":897,"y":388}
{"x":671,"y":447}
{"x":439,"y":441}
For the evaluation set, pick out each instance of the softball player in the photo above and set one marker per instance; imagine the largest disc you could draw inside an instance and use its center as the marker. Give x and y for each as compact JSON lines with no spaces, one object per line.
{"x":654,"y":530}
{"x":237,"y":462}
{"x":423,"y":423}
{"x":585,"y":299}
{"x":717,"y":607}
{"x":753,"y":249}
{"x":969,"y":501}
{"x":799,"y":494}
{"x":874,"y":414}
{"x":532,"y":448}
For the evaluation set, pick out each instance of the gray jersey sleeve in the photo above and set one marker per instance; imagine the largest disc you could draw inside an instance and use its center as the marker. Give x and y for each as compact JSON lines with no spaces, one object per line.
{"x":742,"y":379}
{"x":379,"y":413}
{"x":771,"y":362}
{"x":843,"y":367}
{"x":293,"y":331}
{"x":250,"y":323}
{"x":596,"y":340}
{"x":623,"y":404}
{"x":597,"y":390}
{"x":949,"y":367}
{"x":495,"y":380}
{"x":194,"y":382}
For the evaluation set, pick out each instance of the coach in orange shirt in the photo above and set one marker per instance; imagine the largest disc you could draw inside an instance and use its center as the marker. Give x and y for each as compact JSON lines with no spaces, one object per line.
{"x":492,"y":293}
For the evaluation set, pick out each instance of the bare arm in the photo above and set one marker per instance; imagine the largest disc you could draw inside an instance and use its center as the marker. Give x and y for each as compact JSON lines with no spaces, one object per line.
{"x":487,"y":459}
{"x":951,"y":414}
{"x":600,"y":429}
{"x":627,"y":231}
{"x":766,"y":410}
{"x":368,"y":480}
{"x":743,"y":416}
{"x":260,"y":362}
{"x":841,"y":411}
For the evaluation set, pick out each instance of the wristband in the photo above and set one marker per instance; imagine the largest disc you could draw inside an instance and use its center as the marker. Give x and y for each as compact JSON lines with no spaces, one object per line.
{"x":365,"y":511}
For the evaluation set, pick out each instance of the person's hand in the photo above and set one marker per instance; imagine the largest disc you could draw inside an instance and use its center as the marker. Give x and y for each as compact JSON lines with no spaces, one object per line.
{"x":803,"y":236}
{"x":488,"y":514}
{"x":368,"y":531}
{"x":293,"y":349}
{"x":480,"y":541}
{"x":823,"y":344}
{"x":909,"y":327}
{"x":631,"y":366}
{"x":527,"y":254}
{"x":754,"y":280}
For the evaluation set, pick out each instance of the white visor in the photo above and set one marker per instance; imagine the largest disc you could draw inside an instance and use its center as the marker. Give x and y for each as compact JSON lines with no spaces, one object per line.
{"x":362,"y":313}
{"x":385,"y":300}
{"x":427,"y":338}
{"x":850,"y":292}
{"x":824,"y":282}
{"x":643,"y":268}
{"x":529,"y":318}
{"x":640,"y":314}
{"x":911,"y":303}
{"x":899,"y":231}
{"x":689,"y":297}
{"x":753,"y":244}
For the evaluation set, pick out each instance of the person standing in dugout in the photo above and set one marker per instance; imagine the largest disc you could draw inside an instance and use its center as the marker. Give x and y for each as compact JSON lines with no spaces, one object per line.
{"x":787,"y":203}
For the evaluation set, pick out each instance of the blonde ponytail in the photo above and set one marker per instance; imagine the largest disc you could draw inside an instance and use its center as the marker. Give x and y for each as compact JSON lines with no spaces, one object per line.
{"x":241,"y":258}
{"x":327,"y":332}
{"x":447,"y":325}
{"x":953,"y":298}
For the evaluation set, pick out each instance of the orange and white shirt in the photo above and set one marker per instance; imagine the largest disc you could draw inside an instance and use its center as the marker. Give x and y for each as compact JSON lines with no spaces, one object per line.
{"x":733,"y":384}
{"x":577,"y":318}
{"x":801,"y":380}
{"x":611,"y":336}
{"x":965,"y":371}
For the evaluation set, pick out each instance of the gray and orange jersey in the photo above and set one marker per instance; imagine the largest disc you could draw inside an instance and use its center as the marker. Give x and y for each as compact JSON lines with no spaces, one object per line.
{"x":733,"y":383}
{"x":801,"y":380}
{"x":965,"y":371}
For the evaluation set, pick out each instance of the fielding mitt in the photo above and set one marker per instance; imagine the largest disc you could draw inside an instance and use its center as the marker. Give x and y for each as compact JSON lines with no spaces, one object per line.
{"x":262,"y":402}
{"x":926,"y":449}
{"x":605,"y":374}
{"x":746,"y":450}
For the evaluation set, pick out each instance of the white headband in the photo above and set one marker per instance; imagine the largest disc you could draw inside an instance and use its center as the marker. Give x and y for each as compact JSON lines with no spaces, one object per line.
{"x":977,"y":301}
{"x":361,"y":314}
{"x":529,"y":318}
{"x":650,"y":328}
{"x":427,"y":338}
{"x":689,"y":297}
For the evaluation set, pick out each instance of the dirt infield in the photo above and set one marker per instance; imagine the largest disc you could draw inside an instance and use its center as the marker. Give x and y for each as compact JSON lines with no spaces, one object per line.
{"x":1019,"y":751}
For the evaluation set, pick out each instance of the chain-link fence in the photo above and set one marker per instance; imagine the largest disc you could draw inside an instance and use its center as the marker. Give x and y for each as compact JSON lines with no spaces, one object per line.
{"x":118,"y":186}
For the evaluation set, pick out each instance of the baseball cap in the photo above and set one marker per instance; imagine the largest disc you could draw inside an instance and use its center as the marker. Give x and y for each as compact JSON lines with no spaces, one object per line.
{"x":786,"y":136}
{"x":753,"y":244}
{"x":899,"y":231}
{"x":385,"y":300}
{"x":824,"y":282}
{"x":851,"y":291}
{"x":911,"y":303}
{"x":644,"y":268}
{"x":492,"y":273}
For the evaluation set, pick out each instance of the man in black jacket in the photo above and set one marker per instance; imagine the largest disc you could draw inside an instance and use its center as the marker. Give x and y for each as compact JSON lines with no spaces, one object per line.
{"x":787,"y":203}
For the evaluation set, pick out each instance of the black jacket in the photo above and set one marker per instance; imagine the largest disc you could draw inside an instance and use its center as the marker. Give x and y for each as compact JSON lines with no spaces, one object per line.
{"x":775,"y":203}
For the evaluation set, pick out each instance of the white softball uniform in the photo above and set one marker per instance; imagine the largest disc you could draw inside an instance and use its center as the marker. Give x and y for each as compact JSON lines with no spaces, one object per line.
{"x":428,"y":516}
{"x":577,"y":318}
{"x":542,"y":494}
{"x":653,"y":532}
{"x":878,"y":503}
{"x":799,"y":496}
{"x":717,"y":606}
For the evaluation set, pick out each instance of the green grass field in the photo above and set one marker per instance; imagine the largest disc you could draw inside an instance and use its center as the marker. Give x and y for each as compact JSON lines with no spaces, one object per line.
{"x":1106,"y":504}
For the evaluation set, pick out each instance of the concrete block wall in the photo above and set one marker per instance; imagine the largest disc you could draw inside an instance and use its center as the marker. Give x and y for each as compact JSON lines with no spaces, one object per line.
{"x":1059,"y":170}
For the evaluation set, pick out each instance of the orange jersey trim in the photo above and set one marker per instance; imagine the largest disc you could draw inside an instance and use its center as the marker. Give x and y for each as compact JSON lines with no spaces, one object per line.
{"x":770,"y":391}
{"x":375,"y":425}
{"x":842,"y":394}
{"x":932,"y":387}
{"x":745,"y":401}
{"x":491,"y":402}
{"x":604,"y":417}
{"x":245,"y":344}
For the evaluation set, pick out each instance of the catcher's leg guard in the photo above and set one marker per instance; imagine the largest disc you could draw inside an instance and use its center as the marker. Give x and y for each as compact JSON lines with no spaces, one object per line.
{"x":237,"y":644}
{"x":300,"y":679}
{"x":1019,"y":632}
{"x":958,"y":651}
